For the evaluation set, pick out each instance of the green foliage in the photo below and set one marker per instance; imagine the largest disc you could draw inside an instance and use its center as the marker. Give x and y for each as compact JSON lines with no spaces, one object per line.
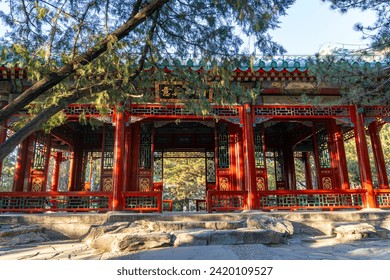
{"x":8,"y":171}
{"x":45,"y":35}
{"x":56,"y":120}
{"x":184,"y":180}
{"x":379,"y":32}
{"x":360,"y":82}
{"x":352,"y":160}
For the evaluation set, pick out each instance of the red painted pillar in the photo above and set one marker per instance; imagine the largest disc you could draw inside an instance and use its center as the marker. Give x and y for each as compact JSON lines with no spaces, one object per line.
{"x":23,"y":164}
{"x":56,"y":172}
{"x":76,"y":168}
{"x":129,"y":159}
{"x":119,"y":159}
{"x":308,"y":170}
{"x":338,"y":156}
{"x":380,"y":163}
{"x":71,"y":172}
{"x":249,"y":155}
{"x":290,"y":168}
{"x":240,"y":163}
{"x":363,"y":157}
{"x":3,"y":137}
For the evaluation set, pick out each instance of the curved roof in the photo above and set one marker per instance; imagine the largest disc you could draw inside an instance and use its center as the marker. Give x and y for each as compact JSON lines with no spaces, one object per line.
{"x":275,"y":64}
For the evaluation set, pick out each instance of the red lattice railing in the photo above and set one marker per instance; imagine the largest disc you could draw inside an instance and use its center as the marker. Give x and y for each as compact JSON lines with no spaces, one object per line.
{"x":143,"y":201}
{"x":382,"y":198}
{"x":226,"y":200}
{"x":312,"y":199}
{"x":55,"y":201}
{"x":33,"y":202}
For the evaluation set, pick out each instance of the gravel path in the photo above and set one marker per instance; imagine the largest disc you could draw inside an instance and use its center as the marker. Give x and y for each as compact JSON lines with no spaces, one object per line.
{"x":298,"y":248}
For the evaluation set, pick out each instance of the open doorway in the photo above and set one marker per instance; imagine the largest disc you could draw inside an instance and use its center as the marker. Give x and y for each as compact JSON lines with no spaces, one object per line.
{"x":184,"y":178}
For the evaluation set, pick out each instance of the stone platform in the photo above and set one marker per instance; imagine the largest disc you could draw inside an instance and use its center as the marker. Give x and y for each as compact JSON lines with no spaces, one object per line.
{"x":77,"y":225}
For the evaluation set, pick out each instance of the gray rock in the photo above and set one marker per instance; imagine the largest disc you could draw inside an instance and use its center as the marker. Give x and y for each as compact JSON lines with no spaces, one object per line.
{"x":223,"y":225}
{"x":283,"y":227}
{"x":97,"y":231}
{"x":120,"y":242}
{"x":169,"y":226}
{"x":199,"y":237}
{"x":355,"y":231}
{"x":15,"y":230}
{"x":25,"y":238}
{"x":262,"y":236}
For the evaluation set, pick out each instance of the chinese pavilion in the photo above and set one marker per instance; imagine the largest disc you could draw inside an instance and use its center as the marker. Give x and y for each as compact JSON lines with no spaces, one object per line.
{"x":251,"y":150}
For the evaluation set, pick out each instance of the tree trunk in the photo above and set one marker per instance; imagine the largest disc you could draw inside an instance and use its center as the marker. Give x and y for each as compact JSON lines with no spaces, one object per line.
{"x":56,"y":77}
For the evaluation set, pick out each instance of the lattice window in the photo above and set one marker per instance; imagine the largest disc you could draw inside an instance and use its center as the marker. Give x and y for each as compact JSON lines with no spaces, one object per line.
{"x":223,"y":145}
{"x":383,"y":199}
{"x":312,"y":201}
{"x":40,"y":151}
{"x":92,"y":169}
{"x":226,"y":112}
{"x":145,"y":150}
{"x":177,"y":111}
{"x":158,"y":167}
{"x":141,"y":202}
{"x":81,"y":108}
{"x":302,"y":111}
{"x":377,"y":111}
{"x":228,"y":201}
{"x":108,"y":148}
{"x":210,"y":167}
{"x":83,"y":202}
{"x":259,"y":152}
{"x":323,"y":148}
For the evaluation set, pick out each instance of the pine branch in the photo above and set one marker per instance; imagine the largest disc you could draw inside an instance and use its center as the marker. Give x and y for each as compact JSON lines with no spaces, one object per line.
{"x":56,"y":77}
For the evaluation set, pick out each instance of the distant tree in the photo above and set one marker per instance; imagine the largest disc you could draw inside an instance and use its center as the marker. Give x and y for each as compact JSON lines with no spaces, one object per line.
{"x":8,"y":171}
{"x":379,"y":32}
{"x":70,"y":46}
{"x":363,"y":75}
{"x":352,"y":160}
{"x":184,"y":180}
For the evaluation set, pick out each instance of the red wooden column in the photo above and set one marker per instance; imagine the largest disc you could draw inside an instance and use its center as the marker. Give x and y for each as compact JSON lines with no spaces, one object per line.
{"x":290,"y":167}
{"x":240,"y":163}
{"x":249,"y":155}
{"x":363,"y":157}
{"x":380,"y":163}
{"x":308,"y":171}
{"x":3,"y":137}
{"x":76,"y":168}
{"x":119,"y":159}
{"x":56,"y":172}
{"x":338,"y":156}
{"x":129,"y":158}
{"x":23,"y":164}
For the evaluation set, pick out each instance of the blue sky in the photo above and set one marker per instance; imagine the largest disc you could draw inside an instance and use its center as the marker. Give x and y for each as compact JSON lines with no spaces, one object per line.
{"x":311,"y":24}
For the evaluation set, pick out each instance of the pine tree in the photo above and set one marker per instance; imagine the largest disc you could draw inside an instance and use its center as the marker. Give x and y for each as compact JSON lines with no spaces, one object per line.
{"x":70,"y":46}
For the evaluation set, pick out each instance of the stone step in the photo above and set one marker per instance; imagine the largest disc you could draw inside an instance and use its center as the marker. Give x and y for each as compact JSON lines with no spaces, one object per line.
{"x":133,"y":241}
{"x":141,"y":235}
